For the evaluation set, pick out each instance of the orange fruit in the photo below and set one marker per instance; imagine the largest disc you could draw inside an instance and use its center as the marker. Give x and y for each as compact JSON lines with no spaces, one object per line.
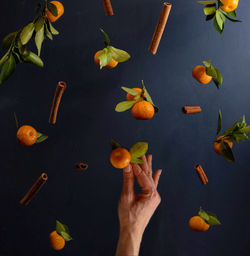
{"x":199,"y":73}
{"x":57,"y":242}
{"x":143,"y":110}
{"x":229,"y":5}
{"x":198,"y":224}
{"x":60,"y":11}
{"x":217,"y":144}
{"x":112,"y":64}
{"x":131,"y":97}
{"x":26,"y":135}
{"x":120,"y":158}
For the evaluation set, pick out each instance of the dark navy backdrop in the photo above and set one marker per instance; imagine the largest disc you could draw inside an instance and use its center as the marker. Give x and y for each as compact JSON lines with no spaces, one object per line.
{"x":87,"y":201}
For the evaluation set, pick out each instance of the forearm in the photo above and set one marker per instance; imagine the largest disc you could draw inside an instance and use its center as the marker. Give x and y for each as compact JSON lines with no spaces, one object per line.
{"x":129,"y":243}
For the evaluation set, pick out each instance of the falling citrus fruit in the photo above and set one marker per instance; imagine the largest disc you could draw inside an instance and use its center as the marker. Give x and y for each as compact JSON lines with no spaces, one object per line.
{"x":60,"y":11}
{"x":120,"y":158}
{"x":143,"y":110}
{"x":198,"y":224}
{"x":229,"y":5}
{"x":217,"y":144}
{"x":57,"y":242}
{"x":199,"y":73}
{"x":111,"y":64}
{"x":26,"y":135}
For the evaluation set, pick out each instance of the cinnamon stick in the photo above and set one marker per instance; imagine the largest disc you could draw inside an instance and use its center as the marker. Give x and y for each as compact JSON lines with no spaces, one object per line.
{"x":201,"y":174}
{"x":82,"y":166}
{"x":34,"y":189}
{"x":61,"y":86}
{"x":191,"y":109}
{"x":108,"y":7}
{"x":160,"y":27}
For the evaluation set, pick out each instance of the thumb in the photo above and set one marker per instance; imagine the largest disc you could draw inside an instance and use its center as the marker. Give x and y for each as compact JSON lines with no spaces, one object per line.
{"x":128,"y":181}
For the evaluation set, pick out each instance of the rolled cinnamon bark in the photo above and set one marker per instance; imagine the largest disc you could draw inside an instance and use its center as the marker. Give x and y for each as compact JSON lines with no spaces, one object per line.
{"x":34,"y":189}
{"x":108,"y":7}
{"x":191,"y":110}
{"x":61,"y":86}
{"x":201,"y":174}
{"x":160,"y":28}
{"x":82,"y":166}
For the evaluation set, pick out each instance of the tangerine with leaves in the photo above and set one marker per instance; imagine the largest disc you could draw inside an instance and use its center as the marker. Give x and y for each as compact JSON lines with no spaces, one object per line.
{"x":109,"y":57}
{"x":112,"y":63}
{"x":60,"y":11}
{"x":132,"y":97}
{"x":143,"y":110}
{"x":27,"y":135}
{"x":229,"y":5}
{"x":198,"y":224}
{"x":120,"y":158}
{"x":57,"y":242}
{"x":218,"y":141}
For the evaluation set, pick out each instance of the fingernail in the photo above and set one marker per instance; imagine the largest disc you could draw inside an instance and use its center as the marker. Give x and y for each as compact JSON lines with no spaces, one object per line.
{"x":127,"y":169}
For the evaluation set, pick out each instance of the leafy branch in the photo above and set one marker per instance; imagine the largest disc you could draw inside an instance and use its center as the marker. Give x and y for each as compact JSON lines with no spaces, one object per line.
{"x":16,"y":42}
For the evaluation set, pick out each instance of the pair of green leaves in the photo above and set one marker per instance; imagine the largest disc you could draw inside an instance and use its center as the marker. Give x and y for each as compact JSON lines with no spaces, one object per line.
{"x":63,"y":231}
{"x":213,"y":11}
{"x":111,"y":52}
{"x":237,"y":132}
{"x":136,"y":151}
{"x":214,"y":73}
{"x":209,"y":217}
{"x":144,"y":95}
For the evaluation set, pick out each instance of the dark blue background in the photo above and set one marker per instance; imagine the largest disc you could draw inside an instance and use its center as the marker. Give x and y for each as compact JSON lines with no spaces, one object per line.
{"x":87,"y":201}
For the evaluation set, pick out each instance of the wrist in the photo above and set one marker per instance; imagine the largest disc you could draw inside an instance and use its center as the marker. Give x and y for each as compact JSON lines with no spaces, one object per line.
{"x":129,"y":242}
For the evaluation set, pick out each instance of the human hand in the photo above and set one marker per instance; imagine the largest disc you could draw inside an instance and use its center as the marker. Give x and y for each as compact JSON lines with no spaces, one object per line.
{"x":135,"y":210}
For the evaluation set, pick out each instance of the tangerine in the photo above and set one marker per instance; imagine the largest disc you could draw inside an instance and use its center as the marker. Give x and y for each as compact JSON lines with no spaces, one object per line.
{"x":26,"y":135}
{"x":120,"y":158}
{"x":199,"y":73}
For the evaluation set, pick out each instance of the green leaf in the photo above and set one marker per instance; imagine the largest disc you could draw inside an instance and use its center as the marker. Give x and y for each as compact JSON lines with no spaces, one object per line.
{"x":17,"y":126}
{"x":239,"y":136}
{"x":104,"y":57}
{"x":213,"y":221}
{"x":60,"y":227}
{"x":27,"y":33}
{"x":47,"y":32}
{"x":203,"y":214}
{"x":229,"y":17}
{"x":4,"y":59}
{"x":219,"y":78}
{"x":39,"y":39}
{"x":41,"y":137}
{"x":136,"y":160}
{"x":124,"y":105}
{"x":107,"y":40}
{"x":118,"y":55}
{"x":137,"y":97}
{"x":130,"y":91}
{"x":31,"y":57}
{"x":207,"y":2}
{"x":232,"y":14}
{"x":219,"y":122}
{"x":209,"y":10}
{"x":66,"y":228}
{"x":216,"y":26}
{"x":138,"y":150}
{"x":148,"y":98}
{"x":226,"y":151}
{"x":245,"y":129}
{"x":39,"y":24}
{"x":219,"y":20}
{"x":114,"y":144}
{"x":232,"y":128}
{"x":207,"y":64}
{"x":66,"y":236}
{"x":210,"y":17}
{"x":211,"y":72}
{"x":8,"y":40}
{"x":53,"y":30}
{"x":8,"y":68}
{"x":52,"y":8}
